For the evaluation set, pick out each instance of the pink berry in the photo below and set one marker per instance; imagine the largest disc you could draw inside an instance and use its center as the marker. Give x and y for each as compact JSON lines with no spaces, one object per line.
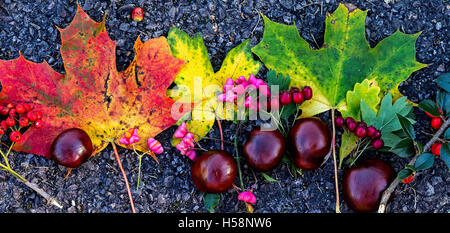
{"x":348,"y":120}
{"x":307,"y":92}
{"x":191,"y":154}
{"x":339,"y":121}
{"x":377,"y":134}
{"x":378,"y":144}
{"x":371,"y":131}
{"x":351,"y":126}
{"x":360,"y":132}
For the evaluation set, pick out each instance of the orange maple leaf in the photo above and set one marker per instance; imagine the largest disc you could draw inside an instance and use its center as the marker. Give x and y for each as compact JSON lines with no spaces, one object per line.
{"x":92,"y":94}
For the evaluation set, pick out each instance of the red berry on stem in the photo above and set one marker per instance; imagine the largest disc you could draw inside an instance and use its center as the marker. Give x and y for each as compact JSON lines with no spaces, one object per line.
{"x":23,"y":122}
{"x":408,"y":179}
{"x":340,"y":121}
{"x":348,"y":120}
{"x":137,"y":14}
{"x":351,"y":126}
{"x":436,"y":122}
{"x":362,"y":124}
{"x":38,"y":114}
{"x":4,"y":111}
{"x":10,"y":106}
{"x":307,"y":92}
{"x":12,"y":113}
{"x":20,"y":108}
{"x":3,"y":125}
{"x":294,"y":90}
{"x":37,"y":124}
{"x":371,"y":131}
{"x":378,"y":144}
{"x":377,"y":134}
{"x":27,"y":107}
{"x":360,"y":132}
{"x":436,"y":148}
{"x":10,"y":121}
{"x":32,"y":116}
{"x":2,"y":131}
{"x":285,"y":98}
{"x":15,"y":136}
{"x":297,"y":97}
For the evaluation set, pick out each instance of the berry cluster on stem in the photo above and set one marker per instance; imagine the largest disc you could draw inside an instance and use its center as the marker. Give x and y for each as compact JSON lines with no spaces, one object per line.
{"x":18,"y":117}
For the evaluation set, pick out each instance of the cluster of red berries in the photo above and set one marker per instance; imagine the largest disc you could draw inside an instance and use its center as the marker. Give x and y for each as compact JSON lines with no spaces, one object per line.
{"x":361,"y":130}
{"x":296,"y":95}
{"x":21,"y":114}
{"x":436,"y":123}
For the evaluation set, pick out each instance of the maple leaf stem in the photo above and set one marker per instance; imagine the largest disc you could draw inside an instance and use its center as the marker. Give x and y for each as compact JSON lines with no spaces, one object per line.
{"x":221,"y":132}
{"x":237,"y":154}
{"x":124,"y":176}
{"x":388,"y":192}
{"x":333,"y":145}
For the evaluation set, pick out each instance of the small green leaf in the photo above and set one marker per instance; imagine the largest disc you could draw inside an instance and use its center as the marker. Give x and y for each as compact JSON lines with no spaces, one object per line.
{"x":404,"y":148}
{"x":404,"y":173}
{"x":407,"y":126}
{"x":445,"y":154}
{"x":430,"y":107}
{"x":211,"y":200}
{"x":411,"y":167}
{"x":278,"y":79}
{"x":366,"y":91}
{"x":288,"y":111}
{"x":424,"y":161}
{"x":419,"y":147}
{"x":387,"y":119}
{"x":444,"y":81}
{"x":348,"y":144}
{"x":368,"y":115}
{"x":443,"y":101}
{"x":268,"y":178}
{"x":447,"y":134}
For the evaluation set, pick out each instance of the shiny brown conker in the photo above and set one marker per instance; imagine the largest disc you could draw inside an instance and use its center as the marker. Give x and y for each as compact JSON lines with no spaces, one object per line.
{"x":71,"y":148}
{"x":309,"y":141}
{"x":364,"y":184}
{"x":214,"y":171}
{"x":264,"y":149}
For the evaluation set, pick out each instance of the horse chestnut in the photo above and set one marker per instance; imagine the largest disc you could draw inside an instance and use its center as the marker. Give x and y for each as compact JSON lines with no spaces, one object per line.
{"x":264,"y":149}
{"x":214,"y":171}
{"x":365,"y":184}
{"x":71,"y":148}
{"x":309,"y":142}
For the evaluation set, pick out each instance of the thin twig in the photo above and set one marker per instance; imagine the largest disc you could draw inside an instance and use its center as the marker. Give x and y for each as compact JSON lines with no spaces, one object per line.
{"x":335,"y":163}
{"x":388,"y":192}
{"x":221,"y":133}
{"x":237,"y":154}
{"x":52,"y":200}
{"x":124,"y":177}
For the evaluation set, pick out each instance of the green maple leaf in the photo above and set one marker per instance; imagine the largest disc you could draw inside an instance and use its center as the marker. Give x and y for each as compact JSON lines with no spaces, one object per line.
{"x":344,"y":59}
